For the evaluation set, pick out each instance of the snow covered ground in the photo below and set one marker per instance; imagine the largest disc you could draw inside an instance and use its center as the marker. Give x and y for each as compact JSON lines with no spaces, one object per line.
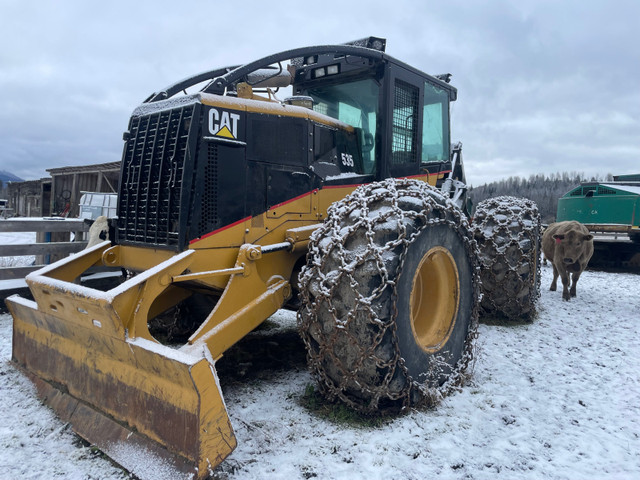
{"x":16,"y":238}
{"x":557,"y":399}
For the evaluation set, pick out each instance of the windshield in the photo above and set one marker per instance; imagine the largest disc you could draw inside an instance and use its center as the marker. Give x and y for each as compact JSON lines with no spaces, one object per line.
{"x":355,"y":103}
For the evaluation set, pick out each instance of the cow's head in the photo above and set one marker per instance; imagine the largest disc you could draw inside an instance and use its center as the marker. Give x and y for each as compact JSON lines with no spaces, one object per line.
{"x":572,"y":245}
{"x":101,"y":230}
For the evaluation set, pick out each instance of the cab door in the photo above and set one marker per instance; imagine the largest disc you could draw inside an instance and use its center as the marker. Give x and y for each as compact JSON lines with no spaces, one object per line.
{"x":403,"y":139}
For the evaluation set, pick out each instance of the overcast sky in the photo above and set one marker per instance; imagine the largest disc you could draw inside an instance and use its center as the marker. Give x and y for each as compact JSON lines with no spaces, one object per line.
{"x":543,"y":86}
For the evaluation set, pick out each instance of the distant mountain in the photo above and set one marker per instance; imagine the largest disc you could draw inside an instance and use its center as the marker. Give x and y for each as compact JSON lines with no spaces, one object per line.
{"x":9,"y":177}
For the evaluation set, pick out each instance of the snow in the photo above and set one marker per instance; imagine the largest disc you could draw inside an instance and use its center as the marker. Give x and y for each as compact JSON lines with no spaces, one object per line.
{"x":17,"y":238}
{"x":629,"y":188}
{"x":344,"y":175}
{"x":167,"y":352}
{"x":553,"y":399}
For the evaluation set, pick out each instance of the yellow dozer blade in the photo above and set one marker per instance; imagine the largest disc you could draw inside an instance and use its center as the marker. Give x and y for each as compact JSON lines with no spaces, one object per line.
{"x":157,"y":411}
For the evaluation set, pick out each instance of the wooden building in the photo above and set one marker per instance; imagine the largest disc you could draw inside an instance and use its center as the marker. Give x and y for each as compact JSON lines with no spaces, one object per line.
{"x":60,"y":194}
{"x":68,"y":183}
{"x":25,"y":198}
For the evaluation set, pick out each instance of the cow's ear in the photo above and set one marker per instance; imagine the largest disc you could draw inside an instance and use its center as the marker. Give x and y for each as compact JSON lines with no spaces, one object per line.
{"x":558,"y":236}
{"x":588,"y":238}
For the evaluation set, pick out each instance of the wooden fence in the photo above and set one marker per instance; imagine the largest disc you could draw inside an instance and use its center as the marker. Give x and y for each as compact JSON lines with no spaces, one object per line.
{"x":52,"y":242}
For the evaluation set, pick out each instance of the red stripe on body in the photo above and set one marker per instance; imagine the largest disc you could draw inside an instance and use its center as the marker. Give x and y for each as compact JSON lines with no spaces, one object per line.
{"x":219,"y":230}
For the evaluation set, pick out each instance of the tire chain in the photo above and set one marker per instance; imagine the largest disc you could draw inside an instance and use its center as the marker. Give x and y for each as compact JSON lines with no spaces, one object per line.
{"x":330,"y":262}
{"x":503,"y":228}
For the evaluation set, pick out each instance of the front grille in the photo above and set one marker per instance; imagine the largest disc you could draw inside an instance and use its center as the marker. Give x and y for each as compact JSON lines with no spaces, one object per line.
{"x":153,"y":167}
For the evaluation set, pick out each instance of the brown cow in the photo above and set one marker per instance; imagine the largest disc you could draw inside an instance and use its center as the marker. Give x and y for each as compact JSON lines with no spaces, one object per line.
{"x":568,"y":246}
{"x":99,"y":231}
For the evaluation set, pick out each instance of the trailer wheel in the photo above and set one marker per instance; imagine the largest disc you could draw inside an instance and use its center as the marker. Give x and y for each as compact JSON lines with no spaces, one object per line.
{"x":508,"y":233}
{"x":390,"y":297}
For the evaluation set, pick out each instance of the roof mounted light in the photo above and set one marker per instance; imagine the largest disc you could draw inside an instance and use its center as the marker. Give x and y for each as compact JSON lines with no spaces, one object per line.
{"x":445,"y":77}
{"x":374,"y":43}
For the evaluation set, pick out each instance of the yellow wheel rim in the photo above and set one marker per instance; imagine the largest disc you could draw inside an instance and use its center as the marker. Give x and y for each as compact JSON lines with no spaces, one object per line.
{"x":435,"y":295}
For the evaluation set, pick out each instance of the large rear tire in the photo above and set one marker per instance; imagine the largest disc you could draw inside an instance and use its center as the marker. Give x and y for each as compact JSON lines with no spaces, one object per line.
{"x":390,"y":297}
{"x":508,"y":233}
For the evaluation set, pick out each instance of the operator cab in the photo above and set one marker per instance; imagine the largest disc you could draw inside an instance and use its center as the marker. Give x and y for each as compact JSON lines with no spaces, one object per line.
{"x":231,"y":150}
{"x":401,"y":115}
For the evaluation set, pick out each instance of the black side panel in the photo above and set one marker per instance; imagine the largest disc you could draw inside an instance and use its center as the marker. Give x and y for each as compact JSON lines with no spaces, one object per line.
{"x":279,"y":140}
{"x":219,"y":189}
{"x":278,"y":156}
{"x":434,"y":168}
{"x":256,"y":193}
{"x":284,"y":185}
{"x":156,"y":177}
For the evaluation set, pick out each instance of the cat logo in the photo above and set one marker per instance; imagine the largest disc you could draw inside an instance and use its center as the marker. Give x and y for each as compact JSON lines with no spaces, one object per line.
{"x":223,"y":124}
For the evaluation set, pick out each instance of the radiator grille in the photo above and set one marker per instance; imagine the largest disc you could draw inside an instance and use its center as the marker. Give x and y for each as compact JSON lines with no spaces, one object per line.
{"x":152,"y":175}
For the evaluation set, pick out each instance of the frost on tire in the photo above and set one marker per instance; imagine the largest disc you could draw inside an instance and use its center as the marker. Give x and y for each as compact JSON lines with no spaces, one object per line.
{"x":390,"y":297}
{"x":508,"y":233}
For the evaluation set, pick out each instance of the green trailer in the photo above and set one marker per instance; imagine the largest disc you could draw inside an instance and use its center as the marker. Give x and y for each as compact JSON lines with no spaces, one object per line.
{"x":609,"y":207}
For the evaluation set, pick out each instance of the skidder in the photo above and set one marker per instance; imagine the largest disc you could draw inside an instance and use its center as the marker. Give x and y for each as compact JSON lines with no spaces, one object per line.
{"x":223,"y":192}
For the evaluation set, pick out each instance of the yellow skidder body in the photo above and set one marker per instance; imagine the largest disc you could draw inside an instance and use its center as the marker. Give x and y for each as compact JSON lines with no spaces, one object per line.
{"x":220,"y":194}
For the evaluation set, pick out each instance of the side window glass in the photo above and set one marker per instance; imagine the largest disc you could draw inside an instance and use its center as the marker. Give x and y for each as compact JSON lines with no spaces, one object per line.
{"x":325,"y":144}
{"x":435,"y":125}
{"x":405,"y":124}
{"x":355,"y":103}
{"x":350,"y":114}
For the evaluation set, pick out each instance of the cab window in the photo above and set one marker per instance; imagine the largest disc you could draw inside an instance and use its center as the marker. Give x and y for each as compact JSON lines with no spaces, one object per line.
{"x":435,"y":125}
{"x":404,"y":147}
{"x":354,"y":103}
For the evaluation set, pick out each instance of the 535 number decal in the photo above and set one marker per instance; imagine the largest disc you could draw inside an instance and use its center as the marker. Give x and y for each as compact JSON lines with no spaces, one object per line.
{"x":347,"y":160}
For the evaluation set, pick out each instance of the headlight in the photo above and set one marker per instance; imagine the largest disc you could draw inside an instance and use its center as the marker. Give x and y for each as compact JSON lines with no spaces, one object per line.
{"x":333,"y":69}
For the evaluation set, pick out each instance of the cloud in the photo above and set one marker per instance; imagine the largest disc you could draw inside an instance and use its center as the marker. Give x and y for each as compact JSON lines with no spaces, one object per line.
{"x":544,"y":86}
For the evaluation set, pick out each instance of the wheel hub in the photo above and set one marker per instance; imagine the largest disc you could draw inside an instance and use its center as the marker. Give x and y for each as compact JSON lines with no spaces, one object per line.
{"x":435,"y":296}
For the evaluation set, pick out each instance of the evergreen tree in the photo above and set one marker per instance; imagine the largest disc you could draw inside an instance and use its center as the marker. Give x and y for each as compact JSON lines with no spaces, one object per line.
{"x":544,"y":190}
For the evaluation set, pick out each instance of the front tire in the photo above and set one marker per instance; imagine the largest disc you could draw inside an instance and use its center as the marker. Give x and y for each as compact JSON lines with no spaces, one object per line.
{"x":390,"y":296}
